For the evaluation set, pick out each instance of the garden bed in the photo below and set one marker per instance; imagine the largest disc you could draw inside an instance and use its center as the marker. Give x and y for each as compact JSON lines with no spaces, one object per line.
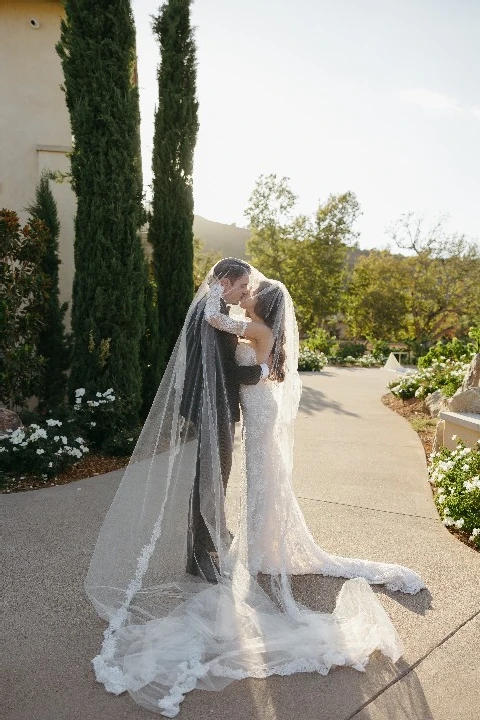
{"x":416,"y":413}
{"x":88,"y":466}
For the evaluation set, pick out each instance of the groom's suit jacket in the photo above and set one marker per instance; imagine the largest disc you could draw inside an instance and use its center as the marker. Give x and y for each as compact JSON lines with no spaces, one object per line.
{"x":229,"y":375}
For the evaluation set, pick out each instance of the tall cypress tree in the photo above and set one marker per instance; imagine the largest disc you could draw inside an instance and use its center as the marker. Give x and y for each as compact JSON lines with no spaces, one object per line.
{"x":52,"y":342}
{"x":97,"y":50}
{"x":176,"y":127}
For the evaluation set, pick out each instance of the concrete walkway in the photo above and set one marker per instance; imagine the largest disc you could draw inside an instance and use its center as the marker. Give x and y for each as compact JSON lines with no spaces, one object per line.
{"x":361,"y":477}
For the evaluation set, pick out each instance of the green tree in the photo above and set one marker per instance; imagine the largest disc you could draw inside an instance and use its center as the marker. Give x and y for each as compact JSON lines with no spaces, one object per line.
{"x":176,"y":127}
{"x":23,"y":291}
{"x":52,"y":342}
{"x":307,"y":255}
{"x":273,"y":227}
{"x":203,"y":261}
{"x":97,"y":51}
{"x":149,"y":343}
{"x":443,"y":279}
{"x":319,"y":279}
{"x":376,"y":302}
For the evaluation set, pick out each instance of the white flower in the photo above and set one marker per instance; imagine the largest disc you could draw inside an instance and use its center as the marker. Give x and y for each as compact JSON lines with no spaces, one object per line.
{"x":99,"y":394}
{"x":2,"y":449}
{"x":56,"y":438}
{"x":79,"y":440}
{"x":459,"y":523}
{"x":93,"y":424}
{"x":129,"y":439}
{"x":475,"y":532}
{"x":39,"y":433}
{"x":454,"y":437}
{"x":35,"y":426}
{"x":80,"y":392}
{"x":448,"y":522}
{"x":465,"y":467}
{"x":51,"y":422}
{"x":64,"y":439}
{"x":40,"y":451}
{"x":472,"y":484}
{"x":84,"y":449}
{"x":50,"y":464}
{"x":78,"y":401}
{"x":108,"y":392}
{"x":59,"y":452}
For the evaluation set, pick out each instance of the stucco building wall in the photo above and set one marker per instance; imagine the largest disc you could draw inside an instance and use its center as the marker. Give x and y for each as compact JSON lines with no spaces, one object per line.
{"x":34,"y":121}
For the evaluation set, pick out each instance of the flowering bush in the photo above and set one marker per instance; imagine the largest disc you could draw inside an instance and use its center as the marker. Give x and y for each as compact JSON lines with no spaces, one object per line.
{"x":106,"y":421}
{"x":311,"y":360}
{"x":446,"y":376}
{"x":320,"y":340}
{"x":45,"y":447}
{"x":39,"y":451}
{"x":442,"y":352}
{"x":455,"y":475}
{"x":367,"y":360}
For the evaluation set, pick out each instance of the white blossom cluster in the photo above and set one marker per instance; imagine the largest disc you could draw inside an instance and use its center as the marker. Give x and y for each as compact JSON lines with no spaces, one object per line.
{"x":422,"y":382}
{"x":463,"y":460}
{"x":106,"y":397}
{"x":20,"y":438}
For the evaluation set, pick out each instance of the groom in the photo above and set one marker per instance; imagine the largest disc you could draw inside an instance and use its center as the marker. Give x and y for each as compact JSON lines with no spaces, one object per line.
{"x":233,"y":275}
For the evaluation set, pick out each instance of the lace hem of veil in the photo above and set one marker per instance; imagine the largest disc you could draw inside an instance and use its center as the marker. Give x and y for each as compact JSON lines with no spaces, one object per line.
{"x":167,"y":659}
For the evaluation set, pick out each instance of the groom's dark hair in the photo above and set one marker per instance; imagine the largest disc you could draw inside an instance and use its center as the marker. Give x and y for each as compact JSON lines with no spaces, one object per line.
{"x":231,"y":268}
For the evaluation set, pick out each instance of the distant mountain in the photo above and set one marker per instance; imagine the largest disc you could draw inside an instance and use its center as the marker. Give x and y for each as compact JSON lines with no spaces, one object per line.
{"x":228,"y":240}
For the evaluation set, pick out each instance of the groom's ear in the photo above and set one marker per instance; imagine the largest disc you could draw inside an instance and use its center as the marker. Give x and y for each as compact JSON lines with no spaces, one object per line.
{"x":226,"y":283}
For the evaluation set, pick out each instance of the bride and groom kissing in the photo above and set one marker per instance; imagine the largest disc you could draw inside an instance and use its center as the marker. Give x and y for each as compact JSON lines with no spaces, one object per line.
{"x":181,"y":595}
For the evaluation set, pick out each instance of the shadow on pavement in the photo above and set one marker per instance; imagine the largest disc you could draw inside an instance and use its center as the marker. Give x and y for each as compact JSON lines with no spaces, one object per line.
{"x":315,"y":401}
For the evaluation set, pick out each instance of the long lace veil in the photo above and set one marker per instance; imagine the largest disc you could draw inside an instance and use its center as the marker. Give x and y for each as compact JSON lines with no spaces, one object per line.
{"x":169,"y":632}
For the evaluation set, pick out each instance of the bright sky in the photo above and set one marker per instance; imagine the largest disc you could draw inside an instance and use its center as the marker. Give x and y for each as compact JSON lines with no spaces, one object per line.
{"x":381,"y":97}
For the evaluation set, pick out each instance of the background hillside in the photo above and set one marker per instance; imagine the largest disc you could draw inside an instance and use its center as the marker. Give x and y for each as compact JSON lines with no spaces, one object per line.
{"x":228,"y":240}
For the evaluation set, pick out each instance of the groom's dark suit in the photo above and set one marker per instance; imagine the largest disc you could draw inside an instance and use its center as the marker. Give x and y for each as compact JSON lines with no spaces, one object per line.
{"x":228,"y":378}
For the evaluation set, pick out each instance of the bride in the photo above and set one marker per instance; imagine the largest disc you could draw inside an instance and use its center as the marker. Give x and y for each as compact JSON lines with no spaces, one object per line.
{"x":272,"y":523}
{"x":170,"y":632}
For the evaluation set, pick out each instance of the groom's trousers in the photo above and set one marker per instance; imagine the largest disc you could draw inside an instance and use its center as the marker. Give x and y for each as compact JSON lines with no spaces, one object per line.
{"x":199,"y":542}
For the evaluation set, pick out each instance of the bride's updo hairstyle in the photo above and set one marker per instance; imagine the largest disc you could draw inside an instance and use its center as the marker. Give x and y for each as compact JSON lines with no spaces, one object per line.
{"x":270,"y":307}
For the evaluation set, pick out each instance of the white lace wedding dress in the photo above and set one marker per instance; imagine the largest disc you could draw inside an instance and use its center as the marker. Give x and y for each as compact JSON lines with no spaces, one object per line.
{"x":271,"y":520}
{"x":170,"y":632}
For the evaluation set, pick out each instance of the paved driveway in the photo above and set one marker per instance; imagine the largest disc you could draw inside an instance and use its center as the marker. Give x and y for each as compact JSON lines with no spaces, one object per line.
{"x":362,"y":482}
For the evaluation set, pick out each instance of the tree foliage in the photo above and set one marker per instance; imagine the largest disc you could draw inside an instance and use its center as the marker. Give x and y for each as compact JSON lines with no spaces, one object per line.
{"x":307,"y":254}
{"x":203,"y":261}
{"x":52,"y":342}
{"x":421,"y":297}
{"x":376,"y":302}
{"x":97,"y":51}
{"x":176,"y":127}
{"x":444,"y":277}
{"x":23,"y":294}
